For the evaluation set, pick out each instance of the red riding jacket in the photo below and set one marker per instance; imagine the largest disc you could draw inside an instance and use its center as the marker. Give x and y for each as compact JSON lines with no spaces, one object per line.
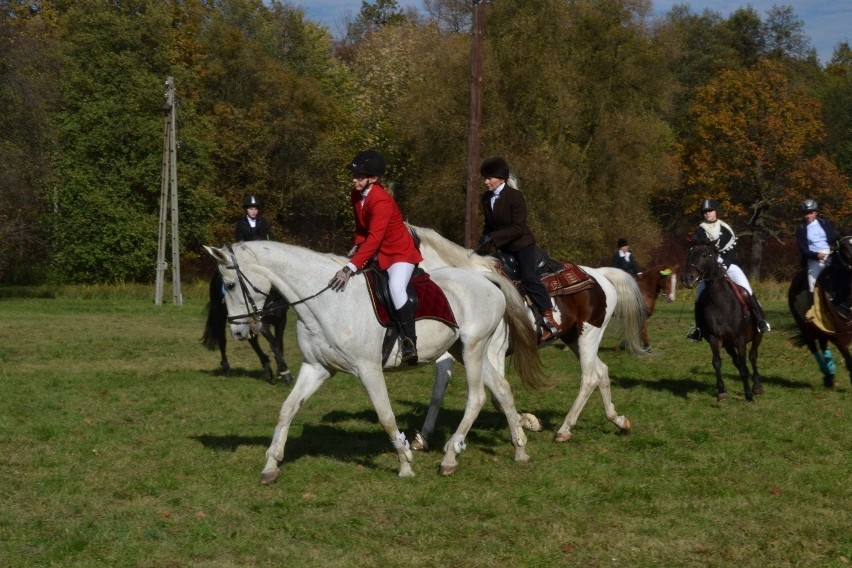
{"x":380,"y":230}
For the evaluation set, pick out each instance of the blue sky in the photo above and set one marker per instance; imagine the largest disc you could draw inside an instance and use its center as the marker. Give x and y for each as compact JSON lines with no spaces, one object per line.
{"x":827,"y":22}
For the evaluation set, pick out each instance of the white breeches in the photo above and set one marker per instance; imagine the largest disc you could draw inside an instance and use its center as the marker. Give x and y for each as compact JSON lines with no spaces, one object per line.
{"x":814,"y":269}
{"x":736,"y":274}
{"x":399,"y":274}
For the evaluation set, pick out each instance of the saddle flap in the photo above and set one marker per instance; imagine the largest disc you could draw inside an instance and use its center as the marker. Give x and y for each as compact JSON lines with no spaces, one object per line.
{"x":428,"y":297}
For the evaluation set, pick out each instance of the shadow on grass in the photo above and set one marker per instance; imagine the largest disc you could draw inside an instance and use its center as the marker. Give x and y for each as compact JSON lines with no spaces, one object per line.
{"x":706,"y":385}
{"x":239,"y":373}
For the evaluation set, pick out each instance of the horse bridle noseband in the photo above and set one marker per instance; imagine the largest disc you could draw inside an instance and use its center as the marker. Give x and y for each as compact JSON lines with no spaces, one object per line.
{"x":253,"y":314}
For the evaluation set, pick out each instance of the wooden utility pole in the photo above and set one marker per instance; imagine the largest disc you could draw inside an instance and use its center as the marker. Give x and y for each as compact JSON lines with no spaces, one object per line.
{"x":474,"y":121}
{"x":169,"y":199}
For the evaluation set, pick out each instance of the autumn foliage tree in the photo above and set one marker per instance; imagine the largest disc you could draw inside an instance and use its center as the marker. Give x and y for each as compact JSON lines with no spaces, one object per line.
{"x":756,"y":147}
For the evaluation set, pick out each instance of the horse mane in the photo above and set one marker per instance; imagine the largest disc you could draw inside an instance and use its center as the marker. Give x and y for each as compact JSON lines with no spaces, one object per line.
{"x":451,"y":253}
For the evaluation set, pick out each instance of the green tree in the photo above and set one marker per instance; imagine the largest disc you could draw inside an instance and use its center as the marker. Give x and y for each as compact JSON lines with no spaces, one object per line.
{"x":757,"y":149}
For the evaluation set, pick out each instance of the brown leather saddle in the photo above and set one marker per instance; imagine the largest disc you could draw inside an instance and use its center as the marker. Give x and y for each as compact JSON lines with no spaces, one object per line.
{"x":559,"y":278}
{"x":428,"y":298}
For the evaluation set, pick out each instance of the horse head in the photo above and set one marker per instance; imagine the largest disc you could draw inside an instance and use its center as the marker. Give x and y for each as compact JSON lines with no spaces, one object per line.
{"x":702,"y":263}
{"x":668,"y":283}
{"x":844,"y":252}
{"x":244,"y":292}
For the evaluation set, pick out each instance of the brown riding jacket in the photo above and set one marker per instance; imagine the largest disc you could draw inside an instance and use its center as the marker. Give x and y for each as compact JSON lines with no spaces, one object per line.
{"x":507,"y":224}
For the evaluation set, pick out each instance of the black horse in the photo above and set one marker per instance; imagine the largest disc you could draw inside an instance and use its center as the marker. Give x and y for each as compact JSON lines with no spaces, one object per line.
{"x":275,"y":316}
{"x":724,"y":318}
{"x":834,"y":323}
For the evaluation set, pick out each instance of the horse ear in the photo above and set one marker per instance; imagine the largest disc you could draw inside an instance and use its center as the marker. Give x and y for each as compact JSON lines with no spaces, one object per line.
{"x":217,"y":253}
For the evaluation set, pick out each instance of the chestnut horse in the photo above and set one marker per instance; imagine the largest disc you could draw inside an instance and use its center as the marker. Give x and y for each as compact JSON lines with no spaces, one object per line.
{"x":724,"y":318}
{"x":838,"y":330}
{"x":659,"y":280}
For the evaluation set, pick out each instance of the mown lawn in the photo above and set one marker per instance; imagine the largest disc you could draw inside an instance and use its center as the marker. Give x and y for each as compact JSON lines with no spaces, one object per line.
{"x":121,"y":446}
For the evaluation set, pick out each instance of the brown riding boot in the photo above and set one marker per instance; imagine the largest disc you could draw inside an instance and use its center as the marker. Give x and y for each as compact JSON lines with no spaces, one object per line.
{"x":550,"y":328}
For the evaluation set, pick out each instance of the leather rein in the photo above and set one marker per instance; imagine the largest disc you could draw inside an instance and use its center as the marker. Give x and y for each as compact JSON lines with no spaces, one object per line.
{"x":253,"y":314}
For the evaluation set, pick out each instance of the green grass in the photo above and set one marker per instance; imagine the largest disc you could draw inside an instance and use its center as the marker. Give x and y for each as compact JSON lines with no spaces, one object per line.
{"x":121,"y":446}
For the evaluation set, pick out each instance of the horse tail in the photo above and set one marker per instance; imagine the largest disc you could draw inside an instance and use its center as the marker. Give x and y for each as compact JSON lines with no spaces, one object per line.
{"x":630,"y":306}
{"x":522,"y":338}
{"x":217,"y":315}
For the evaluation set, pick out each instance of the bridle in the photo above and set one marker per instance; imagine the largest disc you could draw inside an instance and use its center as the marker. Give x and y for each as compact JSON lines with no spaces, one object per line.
{"x":253,"y":315}
{"x":706,"y":274}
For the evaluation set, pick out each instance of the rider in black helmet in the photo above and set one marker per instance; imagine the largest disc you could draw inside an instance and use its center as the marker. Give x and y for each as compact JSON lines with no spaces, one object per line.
{"x":816,"y":238}
{"x":722,"y":235}
{"x":251,"y":226}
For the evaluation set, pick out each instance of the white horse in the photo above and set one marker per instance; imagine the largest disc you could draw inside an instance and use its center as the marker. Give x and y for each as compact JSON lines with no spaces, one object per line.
{"x":339,"y":332}
{"x":582,"y":319}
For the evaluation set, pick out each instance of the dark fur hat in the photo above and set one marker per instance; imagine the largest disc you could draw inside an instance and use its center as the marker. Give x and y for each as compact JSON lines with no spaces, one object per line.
{"x":622,"y":242}
{"x":496,"y":167}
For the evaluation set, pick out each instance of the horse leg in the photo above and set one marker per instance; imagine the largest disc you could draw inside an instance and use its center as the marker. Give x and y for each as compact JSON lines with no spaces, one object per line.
{"x":443,"y":374}
{"x":284,"y":374}
{"x":604,"y":386}
{"x":264,"y":360}
{"x":738,"y":354}
{"x":501,"y":394}
{"x":377,"y":389}
{"x":588,"y":382}
{"x":824,"y":359}
{"x":473,"y":362}
{"x":311,"y":377}
{"x":721,"y":394}
{"x":847,"y":358}
{"x":224,"y":364}
{"x":646,"y":343}
{"x":752,"y":357}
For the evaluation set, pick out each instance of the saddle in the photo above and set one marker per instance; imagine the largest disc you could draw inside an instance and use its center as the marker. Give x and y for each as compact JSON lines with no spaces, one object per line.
{"x":559,"y":278}
{"x":428,"y":298}
{"x":824,"y":313}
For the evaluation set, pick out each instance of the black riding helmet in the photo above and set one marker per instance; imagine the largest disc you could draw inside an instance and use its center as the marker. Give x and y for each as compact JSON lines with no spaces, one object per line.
{"x":808,"y":205}
{"x":709,"y":205}
{"x":368,"y":163}
{"x":251,"y":201}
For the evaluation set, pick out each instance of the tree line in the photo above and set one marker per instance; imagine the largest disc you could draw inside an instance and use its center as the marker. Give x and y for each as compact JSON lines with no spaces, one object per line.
{"x":616,"y":123}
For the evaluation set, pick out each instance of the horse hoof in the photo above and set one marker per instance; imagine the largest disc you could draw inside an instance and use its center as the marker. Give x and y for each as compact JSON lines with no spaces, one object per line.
{"x":829,"y":382}
{"x":757,"y":391}
{"x":447,"y":470}
{"x":269,"y":477}
{"x":419,"y":443}
{"x":530,"y":422}
{"x":562,"y":437}
{"x":285,"y":377}
{"x":625,"y":428}
{"x":722,"y":396}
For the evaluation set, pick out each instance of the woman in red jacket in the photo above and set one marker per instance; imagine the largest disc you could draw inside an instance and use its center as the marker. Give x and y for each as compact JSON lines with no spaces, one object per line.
{"x":380,"y":233}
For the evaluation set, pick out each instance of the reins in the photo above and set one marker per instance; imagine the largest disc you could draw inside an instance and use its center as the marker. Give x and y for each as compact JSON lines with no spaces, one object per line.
{"x":252,"y":312}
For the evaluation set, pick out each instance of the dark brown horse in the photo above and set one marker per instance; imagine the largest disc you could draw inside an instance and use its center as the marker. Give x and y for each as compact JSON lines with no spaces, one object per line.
{"x":831,"y":326}
{"x":659,"y":280}
{"x":724,"y":318}
{"x":275,"y":316}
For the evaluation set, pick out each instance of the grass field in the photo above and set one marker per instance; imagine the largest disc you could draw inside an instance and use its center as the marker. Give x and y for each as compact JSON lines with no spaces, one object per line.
{"x":121,"y":446}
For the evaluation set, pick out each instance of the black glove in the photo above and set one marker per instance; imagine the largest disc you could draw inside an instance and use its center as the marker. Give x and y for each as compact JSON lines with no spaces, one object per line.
{"x":484,"y":244}
{"x":338,"y":283}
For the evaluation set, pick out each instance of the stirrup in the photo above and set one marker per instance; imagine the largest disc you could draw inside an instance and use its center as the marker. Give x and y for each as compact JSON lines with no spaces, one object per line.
{"x":695,"y":334}
{"x":408,"y":352}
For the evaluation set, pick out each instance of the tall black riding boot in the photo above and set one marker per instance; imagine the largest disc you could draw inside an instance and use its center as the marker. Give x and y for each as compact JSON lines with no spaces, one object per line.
{"x":757,"y":311}
{"x":695,"y":332}
{"x":409,"y":334}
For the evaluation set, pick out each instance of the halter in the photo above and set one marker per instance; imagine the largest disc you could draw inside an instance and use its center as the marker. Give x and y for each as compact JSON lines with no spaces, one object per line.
{"x":252,"y":312}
